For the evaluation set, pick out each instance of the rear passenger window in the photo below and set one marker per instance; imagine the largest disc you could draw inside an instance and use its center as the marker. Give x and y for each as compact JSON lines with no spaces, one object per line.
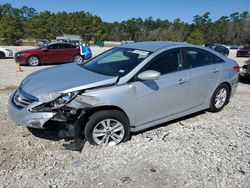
{"x":68,"y":46}
{"x":71,"y":46}
{"x":216,"y":59}
{"x":167,"y":62}
{"x":197,"y":58}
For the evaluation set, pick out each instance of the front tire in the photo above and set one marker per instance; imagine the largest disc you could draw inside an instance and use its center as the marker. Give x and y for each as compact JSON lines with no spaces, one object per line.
{"x":33,"y":61}
{"x":220,"y":98}
{"x":107,"y":128}
{"x":2,"y":55}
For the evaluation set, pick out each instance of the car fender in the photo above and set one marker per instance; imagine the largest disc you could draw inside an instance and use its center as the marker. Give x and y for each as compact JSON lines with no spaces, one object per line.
{"x":123,"y":99}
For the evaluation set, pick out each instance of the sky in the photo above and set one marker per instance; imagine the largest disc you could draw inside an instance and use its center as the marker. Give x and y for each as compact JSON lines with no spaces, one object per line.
{"x":121,"y":10}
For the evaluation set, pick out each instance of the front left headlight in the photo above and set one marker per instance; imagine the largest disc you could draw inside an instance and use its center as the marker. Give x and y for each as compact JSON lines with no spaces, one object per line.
{"x":53,"y":101}
{"x":19,"y":54}
{"x":48,"y":97}
{"x":63,"y":99}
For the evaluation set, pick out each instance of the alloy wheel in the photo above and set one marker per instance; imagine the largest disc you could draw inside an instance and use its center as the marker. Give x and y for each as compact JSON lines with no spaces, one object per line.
{"x":33,"y":61}
{"x":108,"y":132}
{"x":220,"y":98}
{"x":78,"y":59}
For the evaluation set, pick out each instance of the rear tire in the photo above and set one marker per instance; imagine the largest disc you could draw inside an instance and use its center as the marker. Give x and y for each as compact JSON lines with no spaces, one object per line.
{"x":33,"y":61}
{"x":107,"y":128}
{"x":220,"y":98}
{"x":78,"y":58}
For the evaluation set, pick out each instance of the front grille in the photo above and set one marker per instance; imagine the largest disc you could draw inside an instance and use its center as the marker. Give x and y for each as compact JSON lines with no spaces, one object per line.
{"x":23,"y":99}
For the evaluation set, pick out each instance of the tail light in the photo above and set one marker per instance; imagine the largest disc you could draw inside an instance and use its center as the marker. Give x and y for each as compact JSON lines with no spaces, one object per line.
{"x":236,"y":68}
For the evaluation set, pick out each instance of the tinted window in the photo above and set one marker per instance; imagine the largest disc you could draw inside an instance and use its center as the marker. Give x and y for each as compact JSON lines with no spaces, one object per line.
{"x":197,"y":58}
{"x":53,"y":46}
{"x":63,"y":46}
{"x":71,"y":46}
{"x":216,"y":59}
{"x":166,"y":62}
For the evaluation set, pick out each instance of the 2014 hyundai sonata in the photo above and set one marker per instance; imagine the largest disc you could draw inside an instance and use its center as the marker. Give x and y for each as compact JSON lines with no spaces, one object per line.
{"x":126,"y":89}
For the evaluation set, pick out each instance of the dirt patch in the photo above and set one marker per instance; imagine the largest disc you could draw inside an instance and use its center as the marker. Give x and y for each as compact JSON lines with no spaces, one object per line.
{"x":8,"y":89}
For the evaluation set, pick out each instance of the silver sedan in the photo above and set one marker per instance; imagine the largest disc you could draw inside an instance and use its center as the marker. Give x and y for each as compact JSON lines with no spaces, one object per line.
{"x":126,"y":89}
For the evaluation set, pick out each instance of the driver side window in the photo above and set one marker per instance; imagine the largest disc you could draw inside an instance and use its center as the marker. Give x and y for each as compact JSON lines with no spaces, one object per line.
{"x":166,"y":62}
{"x":52,"y":46}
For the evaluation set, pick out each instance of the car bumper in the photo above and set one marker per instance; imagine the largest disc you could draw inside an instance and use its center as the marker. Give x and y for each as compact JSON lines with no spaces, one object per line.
{"x":10,"y":54}
{"x":23,"y":117}
{"x":21,"y":60}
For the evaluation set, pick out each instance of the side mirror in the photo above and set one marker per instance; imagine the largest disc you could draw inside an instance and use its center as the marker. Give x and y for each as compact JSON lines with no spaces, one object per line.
{"x":45,"y":49}
{"x":149,"y":75}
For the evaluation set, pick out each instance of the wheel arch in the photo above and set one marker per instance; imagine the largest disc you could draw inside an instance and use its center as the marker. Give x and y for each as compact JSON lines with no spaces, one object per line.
{"x":77,"y":54}
{"x":210,"y":107}
{"x":229,"y":86}
{"x":91,"y":111}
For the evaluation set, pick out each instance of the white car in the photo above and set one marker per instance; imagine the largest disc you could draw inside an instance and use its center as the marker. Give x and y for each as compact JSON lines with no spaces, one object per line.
{"x":5,"y":53}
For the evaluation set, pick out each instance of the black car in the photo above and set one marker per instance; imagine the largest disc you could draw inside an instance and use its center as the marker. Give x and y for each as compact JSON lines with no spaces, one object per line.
{"x":245,"y":72}
{"x":219,"y":48}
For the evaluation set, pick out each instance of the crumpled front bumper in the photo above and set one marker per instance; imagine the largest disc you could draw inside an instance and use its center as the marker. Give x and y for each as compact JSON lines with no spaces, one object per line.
{"x":23,"y":117}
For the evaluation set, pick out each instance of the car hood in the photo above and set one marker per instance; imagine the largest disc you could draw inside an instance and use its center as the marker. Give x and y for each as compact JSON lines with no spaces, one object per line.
{"x":64,"y":78}
{"x":29,"y":50}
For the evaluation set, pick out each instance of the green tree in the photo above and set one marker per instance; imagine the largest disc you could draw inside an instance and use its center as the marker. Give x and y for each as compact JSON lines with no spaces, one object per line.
{"x":11,"y":29}
{"x":196,"y":37}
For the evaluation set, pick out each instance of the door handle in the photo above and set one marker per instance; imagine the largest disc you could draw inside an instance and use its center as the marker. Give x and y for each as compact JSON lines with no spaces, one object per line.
{"x":215,"y":70}
{"x":181,"y":81}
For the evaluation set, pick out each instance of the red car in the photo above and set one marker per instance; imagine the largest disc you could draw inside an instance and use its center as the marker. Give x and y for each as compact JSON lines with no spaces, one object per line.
{"x":51,"y":53}
{"x":243,"y":52}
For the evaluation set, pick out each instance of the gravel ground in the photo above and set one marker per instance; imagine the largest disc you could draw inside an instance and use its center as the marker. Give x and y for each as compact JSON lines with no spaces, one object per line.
{"x":202,"y":150}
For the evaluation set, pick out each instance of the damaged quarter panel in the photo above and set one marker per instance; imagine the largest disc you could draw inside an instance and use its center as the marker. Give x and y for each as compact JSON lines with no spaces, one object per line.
{"x":121,"y":96}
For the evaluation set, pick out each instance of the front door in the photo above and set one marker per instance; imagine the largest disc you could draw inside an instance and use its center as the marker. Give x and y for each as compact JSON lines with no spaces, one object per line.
{"x":164,"y":97}
{"x":52,"y":55}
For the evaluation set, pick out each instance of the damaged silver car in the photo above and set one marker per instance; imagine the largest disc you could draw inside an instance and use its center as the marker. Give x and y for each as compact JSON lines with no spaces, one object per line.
{"x":126,"y":89}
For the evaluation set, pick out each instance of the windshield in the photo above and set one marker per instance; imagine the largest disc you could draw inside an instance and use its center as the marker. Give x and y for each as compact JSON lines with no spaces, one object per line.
{"x":117,"y":61}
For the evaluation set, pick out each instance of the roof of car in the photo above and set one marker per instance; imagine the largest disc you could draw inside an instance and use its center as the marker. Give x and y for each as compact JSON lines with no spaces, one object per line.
{"x":58,"y":43}
{"x":152,"y":45}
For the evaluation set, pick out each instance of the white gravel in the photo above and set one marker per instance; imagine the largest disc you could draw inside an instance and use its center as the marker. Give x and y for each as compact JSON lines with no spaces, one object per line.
{"x":202,"y":150}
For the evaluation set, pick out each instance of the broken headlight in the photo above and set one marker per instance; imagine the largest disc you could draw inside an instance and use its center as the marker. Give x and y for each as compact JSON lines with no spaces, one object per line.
{"x":56,"y":103}
{"x":63,"y":99}
{"x":48,"y":97}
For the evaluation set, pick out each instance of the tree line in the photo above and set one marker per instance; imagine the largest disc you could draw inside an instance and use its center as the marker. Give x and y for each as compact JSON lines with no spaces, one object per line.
{"x":27,"y":23}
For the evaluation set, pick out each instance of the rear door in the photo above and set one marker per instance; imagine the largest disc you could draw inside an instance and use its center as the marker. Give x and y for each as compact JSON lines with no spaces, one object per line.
{"x":203,"y":75}
{"x":67,"y":52}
